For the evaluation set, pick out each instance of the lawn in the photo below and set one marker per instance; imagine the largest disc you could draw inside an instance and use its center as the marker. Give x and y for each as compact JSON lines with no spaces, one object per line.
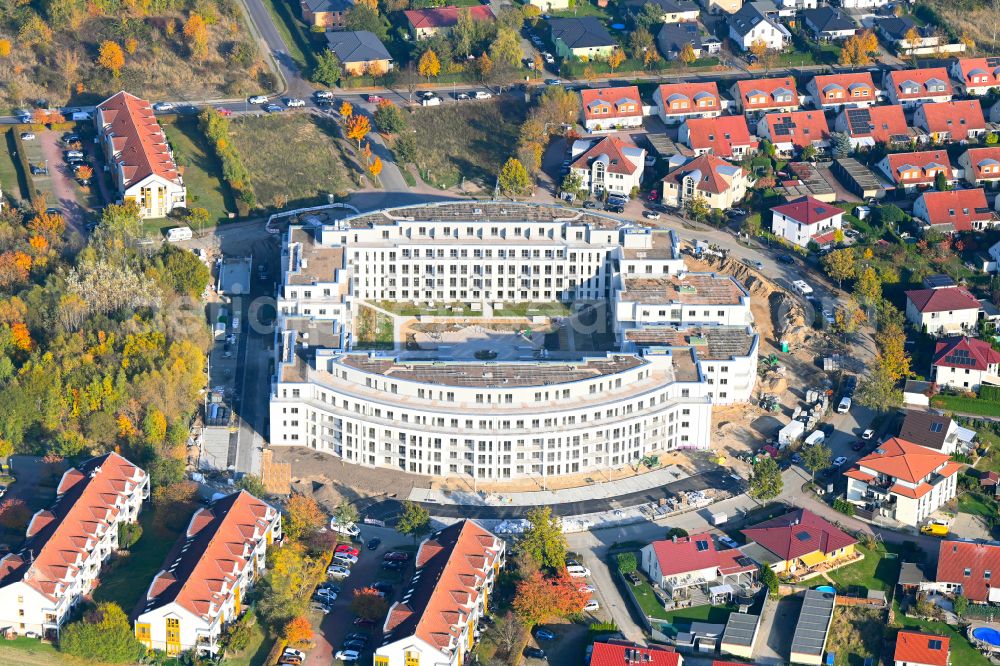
{"x":957,"y":403}
{"x":962,"y":652}
{"x":530,"y":308}
{"x":294,"y":33}
{"x":977,"y":504}
{"x":582,"y":9}
{"x":878,"y":571}
{"x":472,"y":139}
{"x":443,"y":310}
{"x":12,"y":179}
{"x":202,"y":174}
{"x":650,"y":605}
{"x":294,"y":159}
{"x":256,"y":651}
{"x":855,"y":633}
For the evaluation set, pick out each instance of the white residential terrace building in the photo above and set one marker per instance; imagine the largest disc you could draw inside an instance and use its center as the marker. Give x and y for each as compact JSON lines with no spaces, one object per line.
{"x":526,"y":411}
{"x":67,"y":544}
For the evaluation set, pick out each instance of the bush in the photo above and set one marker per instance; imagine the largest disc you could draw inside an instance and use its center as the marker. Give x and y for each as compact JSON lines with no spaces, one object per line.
{"x":678,"y":532}
{"x":627,"y":563}
{"x":239,"y":634}
{"x":128,"y":534}
{"x":961,"y":605}
{"x":844,"y":507}
{"x":103,"y":635}
{"x":769,"y":579}
{"x":235,"y":173}
{"x":603,"y":626}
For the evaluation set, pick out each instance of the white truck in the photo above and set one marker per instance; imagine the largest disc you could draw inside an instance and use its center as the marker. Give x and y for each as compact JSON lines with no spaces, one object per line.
{"x":790,"y":433}
{"x":815,"y":437}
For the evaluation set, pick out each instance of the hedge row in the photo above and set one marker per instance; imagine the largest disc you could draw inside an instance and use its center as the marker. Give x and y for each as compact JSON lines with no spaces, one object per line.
{"x":216,"y":130}
{"x":22,"y":160}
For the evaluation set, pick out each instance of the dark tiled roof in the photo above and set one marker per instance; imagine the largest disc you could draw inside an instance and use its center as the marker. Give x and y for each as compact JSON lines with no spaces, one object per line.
{"x":356,"y":46}
{"x":577,"y":33}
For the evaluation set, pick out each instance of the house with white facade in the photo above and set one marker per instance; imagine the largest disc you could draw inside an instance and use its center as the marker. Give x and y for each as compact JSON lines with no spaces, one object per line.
{"x":936,"y":431}
{"x":954,"y":211}
{"x":671,"y":11}
{"x":917,"y":170}
{"x":755,"y":97}
{"x":136,"y":148}
{"x":862,"y":4}
{"x":727,"y":137}
{"x":959,"y":120}
{"x":611,"y":165}
{"x":965,"y":363}
{"x":878,"y":124}
{"x":807,"y":220}
{"x":903,"y":481}
{"x":676,"y":102}
{"x":436,"y":620}
{"x":912,"y":87}
{"x":829,"y":24}
{"x":611,"y":109}
{"x":721,"y":184}
{"x":686,"y":567}
{"x":981,"y":166}
{"x":67,"y":544}
{"x":976,"y":76}
{"x":207,"y":575}
{"x":833,"y":92}
{"x":750,"y":25}
{"x":944,"y":311}
{"x":791,"y":132}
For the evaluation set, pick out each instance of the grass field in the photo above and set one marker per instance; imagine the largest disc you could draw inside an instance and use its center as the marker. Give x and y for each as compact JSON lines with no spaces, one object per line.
{"x":202,"y":173}
{"x":12,"y":180}
{"x":130,"y":578}
{"x":977,"y":504}
{"x":878,"y":571}
{"x":294,"y":159}
{"x":957,"y":403}
{"x":651,"y":607}
{"x":472,"y":139}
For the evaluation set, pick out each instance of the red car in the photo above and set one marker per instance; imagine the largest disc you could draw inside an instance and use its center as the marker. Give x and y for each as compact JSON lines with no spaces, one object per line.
{"x":344,"y":548}
{"x":224,"y":112}
{"x":654,"y":195}
{"x":374,"y":99}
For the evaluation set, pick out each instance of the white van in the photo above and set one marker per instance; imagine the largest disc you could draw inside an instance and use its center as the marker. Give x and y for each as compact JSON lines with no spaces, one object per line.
{"x":815,"y":437}
{"x":802,"y":287}
{"x":577,"y":571}
{"x":236,"y":324}
{"x":350,"y":529}
{"x":179,"y":234}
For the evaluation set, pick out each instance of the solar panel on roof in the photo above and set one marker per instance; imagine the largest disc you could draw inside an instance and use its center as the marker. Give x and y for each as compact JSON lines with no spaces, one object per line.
{"x":803,"y":536}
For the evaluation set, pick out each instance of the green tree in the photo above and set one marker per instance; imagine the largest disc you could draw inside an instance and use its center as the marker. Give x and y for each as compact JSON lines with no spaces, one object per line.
{"x":103,"y":635}
{"x":626,"y":562}
{"x":765,"y":480}
{"x":414,"y":521}
{"x":363,"y":16}
{"x":328,"y":69}
{"x":816,"y":457}
{"x":640,"y":42}
{"x":868,"y":288}
{"x":941,"y":182}
{"x":572,"y":183}
{"x":185,"y":273}
{"x":770,"y":580}
{"x":889,"y":215}
{"x":678,"y":532}
{"x":252,"y":484}
{"x":389,"y":118}
{"x":346,"y":513}
{"x":405,"y":147}
{"x":649,"y":16}
{"x":698,"y":208}
{"x":841,"y":144}
{"x":809,"y":152}
{"x":464,"y":33}
{"x":840,"y":265}
{"x":514,"y":179}
{"x":961,"y":605}
{"x":506,"y":48}
{"x":544,"y":542}
{"x":751,"y":225}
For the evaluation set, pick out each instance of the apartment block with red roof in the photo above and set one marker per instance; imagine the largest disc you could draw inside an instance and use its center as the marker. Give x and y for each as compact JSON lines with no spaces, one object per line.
{"x":911,"y":171}
{"x":807,"y":220}
{"x":727,"y":137}
{"x":967,"y":568}
{"x":676,"y":102}
{"x":612,"y":165}
{"x":976,"y":76}
{"x":955,"y":210}
{"x":142,"y":163}
{"x":617,"y":653}
{"x":791,"y":132}
{"x":685,"y":567}
{"x":944,"y":311}
{"x":981,"y":166}
{"x":67,"y":544}
{"x":878,"y":124}
{"x":914,"y":648}
{"x":903,"y":481}
{"x":965,"y":363}
{"x":912,"y":87}
{"x":610,"y":109}
{"x":840,"y":91}
{"x":722,"y":185}
{"x":960,"y":120}
{"x":756,"y":97}
{"x":799,"y":540}
{"x":435,"y":621}
{"x":425,"y":23}
{"x":207,"y":575}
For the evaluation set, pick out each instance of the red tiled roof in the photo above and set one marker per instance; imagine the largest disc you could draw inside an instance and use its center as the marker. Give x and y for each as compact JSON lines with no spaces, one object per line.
{"x":954,"y":557}
{"x":719,"y":135}
{"x":926,"y":162}
{"x":886,"y":122}
{"x":751,"y":88}
{"x":975,"y":354}
{"x":689,"y":95}
{"x":828,"y":86}
{"x":959,"y":208}
{"x":903,"y":460}
{"x":921,"y":77}
{"x":798,"y":533}
{"x":956,"y":118}
{"x":141,"y":145}
{"x":711,"y":170}
{"x":58,"y":537}
{"x":613,"y":654}
{"x":915,"y":648}
{"x":946,"y":299}
{"x":985,"y":162}
{"x":696,"y":552}
{"x":614,"y":100}
{"x":802,"y":128}
{"x":611,"y":147}
{"x":978,"y":72}
{"x":808,"y":210}
{"x":445,"y":17}
{"x":854,"y":473}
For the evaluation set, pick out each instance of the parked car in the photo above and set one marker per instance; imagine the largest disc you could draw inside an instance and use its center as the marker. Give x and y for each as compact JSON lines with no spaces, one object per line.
{"x":553,"y":82}
{"x":3,"y":490}
{"x":355,"y":635}
{"x":383,"y":586}
{"x":577,"y":570}
{"x":338,"y":571}
{"x":358,"y":645}
{"x":344,"y":558}
{"x":462,"y":96}
{"x":430,"y":101}
{"x":27,"y":136}
{"x":258,"y":99}
{"x":654,"y":195}
{"x":347,"y":655}
{"x":754,"y":263}
{"x":363,"y":622}
{"x":294,"y":102}
{"x":321,"y":607}
{"x":828,"y":316}
{"x":347,"y":548}
{"x":389,"y":565}
{"x":324,"y":594}
{"x":590,"y":589}
{"x":273,"y":108}
{"x":650,"y":215}
{"x":163,"y":107}
{"x":534,"y":653}
{"x":802,"y":287}
{"x":38,"y":170}
{"x":590,"y":205}
{"x":786,"y":259}
{"x":858,"y":445}
{"x":323,"y":94}
{"x":592,"y":605}
{"x":374,"y":543}
{"x":844,"y":406}
{"x":349,"y":529}
{"x":839,"y":460}
{"x":373,"y":99}
{"x":396,"y":556}
{"x":796,"y":458}
{"x":73,"y":154}
{"x":482,"y":94}
{"x":293,"y":652}
{"x":867,"y":434}
{"x":545,"y":635}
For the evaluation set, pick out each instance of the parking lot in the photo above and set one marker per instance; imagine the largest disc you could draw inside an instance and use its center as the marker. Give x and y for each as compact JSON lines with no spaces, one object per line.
{"x":53,"y":177}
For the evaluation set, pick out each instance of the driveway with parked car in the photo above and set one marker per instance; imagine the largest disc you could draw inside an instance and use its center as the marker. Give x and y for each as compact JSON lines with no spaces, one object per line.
{"x":60,"y":189}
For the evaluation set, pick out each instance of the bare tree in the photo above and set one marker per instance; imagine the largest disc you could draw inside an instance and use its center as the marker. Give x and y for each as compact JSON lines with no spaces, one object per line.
{"x":508,"y":634}
{"x":410,"y":80}
{"x":68,"y":62}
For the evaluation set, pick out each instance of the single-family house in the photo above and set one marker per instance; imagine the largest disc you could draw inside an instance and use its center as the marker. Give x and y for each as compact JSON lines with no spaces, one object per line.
{"x":682,"y":565}
{"x":611,"y":165}
{"x":905,"y":35}
{"x":807,"y":220}
{"x":791,"y":132}
{"x":877,"y":124}
{"x":721,"y":184}
{"x":841,"y":91}
{"x":673,"y":37}
{"x":620,"y":653}
{"x":958,"y":120}
{"x":799,"y":540}
{"x":902,"y":481}
{"x":966,"y":568}
{"x":918,"y":169}
{"x":911,"y":87}
{"x":676,"y":102}
{"x":750,"y":25}
{"x":914,"y":648}
{"x":755,"y":97}
{"x":359,"y":52}
{"x":671,"y":11}
{"x":954,"y":210}
{"x":425,"y":23}
{"x":938,"y":431}
{"x":610,"y":109}
{"x":947,"y":311}
{"x":976,"y":76}
{"x":326,"y":14}
{"x":581,"y":37}
{"x":828,"y":24}
{"x":965,"y":363}
{"x":981,"y":166}
{"x":727,"y":137}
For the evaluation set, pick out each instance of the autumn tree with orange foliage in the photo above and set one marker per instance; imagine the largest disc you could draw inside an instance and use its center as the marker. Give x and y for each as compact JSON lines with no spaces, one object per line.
{"x":358,"y":127}
{"x":616,"y":58}
{"x":298,"y":631}
{"x":196,"y":33}
{"x":14,"y":268}
{"x":541,"y":598}
{"x":376,"y":168}
{"x":369,"y":604}
{"x":346,"y":110}
{"x":111,"y":57}
{"x":304,"y":517}
{"x":21,"y":336}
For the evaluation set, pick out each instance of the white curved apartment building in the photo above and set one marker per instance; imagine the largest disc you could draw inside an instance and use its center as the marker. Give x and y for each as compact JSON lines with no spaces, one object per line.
{"x":651,"y":390}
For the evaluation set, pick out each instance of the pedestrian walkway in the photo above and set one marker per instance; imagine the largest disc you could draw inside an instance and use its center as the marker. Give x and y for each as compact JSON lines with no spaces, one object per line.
{"x":604,"y":490}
